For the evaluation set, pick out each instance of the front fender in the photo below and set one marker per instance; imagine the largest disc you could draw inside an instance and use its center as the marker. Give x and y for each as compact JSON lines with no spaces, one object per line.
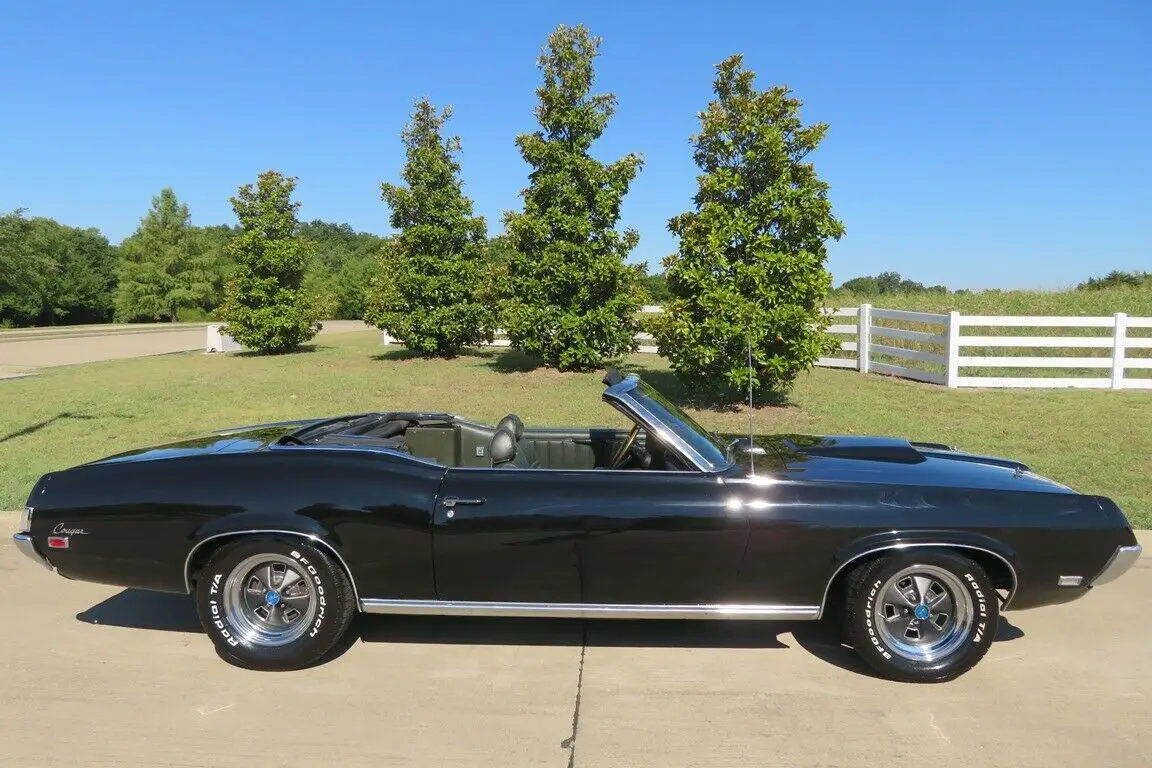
{"x":904,"y":540}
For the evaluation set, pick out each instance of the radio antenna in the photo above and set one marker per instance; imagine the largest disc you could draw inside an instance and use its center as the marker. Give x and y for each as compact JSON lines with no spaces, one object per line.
{"x":751,"y":428}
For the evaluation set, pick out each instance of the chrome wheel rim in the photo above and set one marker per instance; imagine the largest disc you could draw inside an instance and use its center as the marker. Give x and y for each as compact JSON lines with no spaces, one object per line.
{"x":923,"y":613}
{"x":269,"y":601}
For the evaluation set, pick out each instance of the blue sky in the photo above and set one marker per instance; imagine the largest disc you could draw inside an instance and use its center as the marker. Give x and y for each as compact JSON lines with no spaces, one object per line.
{"x":977,"y":144}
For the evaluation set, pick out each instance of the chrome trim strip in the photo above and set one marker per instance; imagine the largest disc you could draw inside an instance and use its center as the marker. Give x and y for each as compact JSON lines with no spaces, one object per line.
{"x":24,"y":543}
{"x":909,"y":545}
{"x":269,"y":425}
{"x":313,"y":538}
{"x":589,"y":610}
{"x":1122,"y":559}
{"x":645,"y":418}
{"x":373,"y":449}
{"x":693,"y":472}
{"x":630,"y":407}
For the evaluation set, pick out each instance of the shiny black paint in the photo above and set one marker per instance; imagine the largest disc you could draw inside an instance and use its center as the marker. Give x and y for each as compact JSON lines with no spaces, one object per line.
{"x":596,"y":536}
{"x":587,"y":536}
{"x":143,"y":518}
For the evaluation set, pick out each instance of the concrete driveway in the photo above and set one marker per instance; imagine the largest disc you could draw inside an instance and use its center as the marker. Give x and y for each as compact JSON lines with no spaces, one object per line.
{"x":22,"y":351}
{"x":98,"y":676}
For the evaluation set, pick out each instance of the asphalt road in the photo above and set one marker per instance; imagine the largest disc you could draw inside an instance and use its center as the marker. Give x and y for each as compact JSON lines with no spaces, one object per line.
{"x":98,"y":676}
{"x":23,"y":351}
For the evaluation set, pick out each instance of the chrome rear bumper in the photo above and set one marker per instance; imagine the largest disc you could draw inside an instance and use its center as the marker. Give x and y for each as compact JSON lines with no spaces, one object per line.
{"x":25,"y":545}
{"x":1122,"y":559}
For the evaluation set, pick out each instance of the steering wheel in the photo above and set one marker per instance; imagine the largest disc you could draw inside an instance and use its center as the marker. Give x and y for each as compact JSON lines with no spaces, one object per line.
{"x":625,"y":451}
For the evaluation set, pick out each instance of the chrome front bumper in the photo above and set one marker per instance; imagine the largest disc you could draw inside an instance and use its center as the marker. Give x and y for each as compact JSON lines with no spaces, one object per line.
{"x":1122,"y":559}
{"x":25,"y":545}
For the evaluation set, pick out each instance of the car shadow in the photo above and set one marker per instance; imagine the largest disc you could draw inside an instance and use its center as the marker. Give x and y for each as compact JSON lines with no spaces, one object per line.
{"x":1007,"y":631}
{"x":602,"y":633}
{"x":141,"y":609}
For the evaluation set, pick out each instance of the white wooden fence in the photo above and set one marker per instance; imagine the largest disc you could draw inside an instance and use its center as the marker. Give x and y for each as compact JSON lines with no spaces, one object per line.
{"x":932,"y":352}
{"x":873,"y":335}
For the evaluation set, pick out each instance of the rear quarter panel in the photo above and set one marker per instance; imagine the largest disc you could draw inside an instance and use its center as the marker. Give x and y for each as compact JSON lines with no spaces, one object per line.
{"x":140,"y":520}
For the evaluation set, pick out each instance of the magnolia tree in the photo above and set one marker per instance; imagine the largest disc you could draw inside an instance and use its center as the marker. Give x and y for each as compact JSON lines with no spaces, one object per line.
{"x":426,"y":294}
{"x":569,"y":297}
{"x":751,"y":261}
{"x":265,"y":306}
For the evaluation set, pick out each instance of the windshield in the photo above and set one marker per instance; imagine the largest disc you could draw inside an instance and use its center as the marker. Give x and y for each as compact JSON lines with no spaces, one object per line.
{"x":700,"y":440}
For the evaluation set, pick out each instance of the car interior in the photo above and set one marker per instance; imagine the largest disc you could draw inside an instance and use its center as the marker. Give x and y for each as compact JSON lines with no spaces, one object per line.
{"x":455,"y":442}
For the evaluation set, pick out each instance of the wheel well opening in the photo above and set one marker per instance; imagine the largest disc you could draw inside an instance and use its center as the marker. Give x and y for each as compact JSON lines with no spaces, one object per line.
{"x":202,"y":554}
{"x":998,"y":571}
{"x":835,"y":594}
{"x":207,"y":549}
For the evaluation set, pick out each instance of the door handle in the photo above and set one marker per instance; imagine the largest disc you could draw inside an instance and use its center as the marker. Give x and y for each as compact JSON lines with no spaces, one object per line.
{"x":452,"y":501}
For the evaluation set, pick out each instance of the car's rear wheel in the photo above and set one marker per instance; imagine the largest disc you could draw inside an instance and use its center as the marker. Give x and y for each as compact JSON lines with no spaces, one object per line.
{"x":921,"y":617}
{"x":274,"y":603}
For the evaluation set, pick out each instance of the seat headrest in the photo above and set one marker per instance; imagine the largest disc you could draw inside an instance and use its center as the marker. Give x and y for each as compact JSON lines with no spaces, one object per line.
{"x":513,"y":424}
{"x":502,"y":447}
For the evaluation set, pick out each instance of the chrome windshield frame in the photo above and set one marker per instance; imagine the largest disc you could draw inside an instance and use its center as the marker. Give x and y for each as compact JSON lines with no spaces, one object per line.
{"x":620,"y":396}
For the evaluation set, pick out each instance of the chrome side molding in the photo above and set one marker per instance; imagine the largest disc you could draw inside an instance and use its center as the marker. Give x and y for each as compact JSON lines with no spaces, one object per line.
{"x":590,"y":610}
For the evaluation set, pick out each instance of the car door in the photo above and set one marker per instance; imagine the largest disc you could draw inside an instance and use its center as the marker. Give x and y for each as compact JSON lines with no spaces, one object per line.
{"x":592,"y":537}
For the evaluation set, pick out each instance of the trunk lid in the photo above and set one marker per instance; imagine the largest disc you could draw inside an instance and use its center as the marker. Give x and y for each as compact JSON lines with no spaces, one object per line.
{"x":235,"y":440}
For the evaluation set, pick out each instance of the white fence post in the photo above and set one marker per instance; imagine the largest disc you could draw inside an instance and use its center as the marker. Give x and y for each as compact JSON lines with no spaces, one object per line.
{"x":863,"y":338}
{"x":953,"y":353}
{"x":218,"y":341}
{"x":1119,"y":342}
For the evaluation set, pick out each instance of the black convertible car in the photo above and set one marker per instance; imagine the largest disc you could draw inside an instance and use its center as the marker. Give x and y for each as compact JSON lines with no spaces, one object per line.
{"x":284,"y":531}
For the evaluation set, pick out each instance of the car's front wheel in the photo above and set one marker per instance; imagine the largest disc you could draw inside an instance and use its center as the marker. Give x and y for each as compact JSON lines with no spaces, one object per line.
{"x":274,"y":603}
{"x":921,"y":617}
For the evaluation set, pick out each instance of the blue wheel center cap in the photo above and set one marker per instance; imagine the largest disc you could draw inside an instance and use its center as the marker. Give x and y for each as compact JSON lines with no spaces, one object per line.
{"x":922,"y":612}
{"x":272,"y":598}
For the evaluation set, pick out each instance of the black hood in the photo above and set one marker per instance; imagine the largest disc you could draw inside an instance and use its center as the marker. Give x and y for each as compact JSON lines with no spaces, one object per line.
{"x":888,"y":460}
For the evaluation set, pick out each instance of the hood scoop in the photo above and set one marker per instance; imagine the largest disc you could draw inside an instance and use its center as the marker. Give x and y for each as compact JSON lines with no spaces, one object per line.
{"x":862,"y":448}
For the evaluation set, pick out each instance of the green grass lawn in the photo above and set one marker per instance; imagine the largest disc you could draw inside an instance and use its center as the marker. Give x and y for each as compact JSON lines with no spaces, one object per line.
{"x":1095,"y":441}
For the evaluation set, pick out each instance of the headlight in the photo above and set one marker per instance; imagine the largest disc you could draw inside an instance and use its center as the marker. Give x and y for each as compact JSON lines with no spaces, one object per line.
{"x":26,"y":519}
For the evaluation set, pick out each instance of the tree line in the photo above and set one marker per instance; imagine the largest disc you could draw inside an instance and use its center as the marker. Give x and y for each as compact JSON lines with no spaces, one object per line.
{"x":894,"y":284}
{"x":742,"y":294}
{"x":167,"y":270}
